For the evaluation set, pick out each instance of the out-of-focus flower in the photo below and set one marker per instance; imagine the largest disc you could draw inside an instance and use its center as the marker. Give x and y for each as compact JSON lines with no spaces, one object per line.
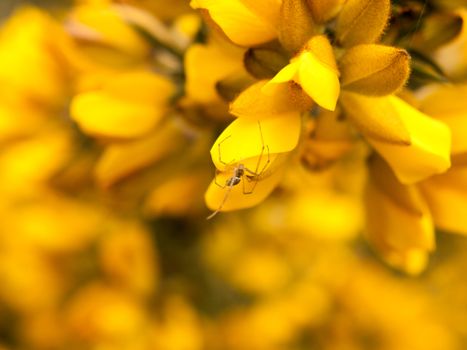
{"x":111,"y":112}
{"x":452,"y":56}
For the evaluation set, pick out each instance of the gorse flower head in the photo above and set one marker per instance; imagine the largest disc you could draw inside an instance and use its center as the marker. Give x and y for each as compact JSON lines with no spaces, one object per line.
{"x":342,"y":70}
{"x":325,"y":83}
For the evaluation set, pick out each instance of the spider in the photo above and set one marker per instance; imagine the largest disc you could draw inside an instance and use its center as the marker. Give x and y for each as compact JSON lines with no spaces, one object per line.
{"x":241,"y":172}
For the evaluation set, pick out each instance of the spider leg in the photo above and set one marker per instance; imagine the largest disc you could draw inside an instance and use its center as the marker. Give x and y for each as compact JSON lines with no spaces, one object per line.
{"x":263,"y":148}
{"x":216,"y":172}
{"x":224,"y":200}
{"x":219,"y":151}
{"x":250,"y":179}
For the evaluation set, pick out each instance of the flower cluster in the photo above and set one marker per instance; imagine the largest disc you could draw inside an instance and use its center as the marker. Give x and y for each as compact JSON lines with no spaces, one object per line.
{"x":125,"y":124}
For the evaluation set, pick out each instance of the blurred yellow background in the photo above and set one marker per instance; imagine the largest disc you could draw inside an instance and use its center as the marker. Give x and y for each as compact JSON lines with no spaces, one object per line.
{"x":103,"y":238}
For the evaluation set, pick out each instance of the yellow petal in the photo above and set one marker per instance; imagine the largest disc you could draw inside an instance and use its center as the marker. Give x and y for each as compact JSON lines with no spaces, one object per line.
{"x":256,"y":102}
{"x":446,"y":196}
{"x":296,"y":25}
{"x":314,"y":69}
{"x":120,"y":160}
{"x":319,"y":81}
{"x":375,"y":70}
{"x":29,"y":57}
{"x":178,"y":196}
{"x":129,"y":105}
{"x":429,"y":151}
{"x":219,"y":61}
{"x":324,"y":213}
{"x":247,"y":138}
{"x":362,"y":21}
{"x":34,"y":160}
{"x":239,"y":21}
{"x":267,"y":9}
{"x":245,"y":194}
{"x":330,"y":138}
{"x":398,"y":219}
{"x":375,"y":117}
{"x":288,"y":73}
{"x":106,"y":116}
{"x":412,"y":262}
{"x":109,"y":29}
{"x":448,"y":103}
{"x":321,"y":47}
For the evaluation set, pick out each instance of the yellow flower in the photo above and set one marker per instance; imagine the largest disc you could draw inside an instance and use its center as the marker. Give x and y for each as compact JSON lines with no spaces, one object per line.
{"x":179,"y":327}
{"x":399,"y":222}
{"x":415,"y":145}
{"x":104,"y":39}
{"x":446,"y":194}
{"x":128,"y":258}
{"x":30,"y":68}
{"x":125,"y":106}
{"x":101,"y":314}
{"x":123,"y":159}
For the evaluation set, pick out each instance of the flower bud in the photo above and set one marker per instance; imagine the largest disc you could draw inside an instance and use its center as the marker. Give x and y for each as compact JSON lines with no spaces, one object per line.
{"x":296,"y":25}
{"x":362,"y":21}
{"x":374,"y":69}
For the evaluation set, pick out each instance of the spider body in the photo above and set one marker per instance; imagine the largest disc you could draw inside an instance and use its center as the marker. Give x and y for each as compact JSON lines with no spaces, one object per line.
{"x":235,"y":179}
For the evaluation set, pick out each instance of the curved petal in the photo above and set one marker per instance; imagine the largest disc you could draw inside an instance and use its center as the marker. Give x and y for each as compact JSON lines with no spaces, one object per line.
{"x":375,"y":117}
{"x":447,"y":198}
{"x":449,"y":105}
{"x":261,"y":102}
{"x":239,"y":21}
{"x":319,"y":81}
{"x":106,"y":116}
{"x":429,"y":150}
{"x":247,"y":138}
{"x":399,"y":224}
{"x":315,"y":70}
{"x":219,"y":61}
